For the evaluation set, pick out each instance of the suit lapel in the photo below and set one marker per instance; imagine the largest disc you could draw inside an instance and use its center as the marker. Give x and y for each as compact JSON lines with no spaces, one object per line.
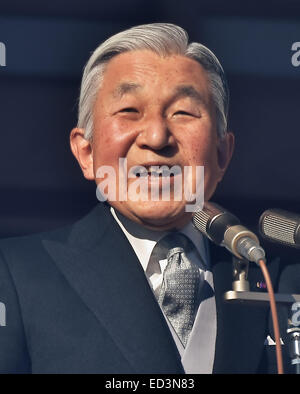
{"x":241,"y":328}
{"x":101,"y":266}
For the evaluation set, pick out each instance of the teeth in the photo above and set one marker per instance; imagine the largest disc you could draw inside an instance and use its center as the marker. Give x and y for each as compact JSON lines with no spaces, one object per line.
{"x":139,"y":171}
{"x":155,"y":171}
{"x":159,"y":173}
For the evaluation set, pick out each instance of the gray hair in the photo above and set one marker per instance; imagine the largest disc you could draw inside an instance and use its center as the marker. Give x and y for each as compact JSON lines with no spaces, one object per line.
{"x":163,"y":39}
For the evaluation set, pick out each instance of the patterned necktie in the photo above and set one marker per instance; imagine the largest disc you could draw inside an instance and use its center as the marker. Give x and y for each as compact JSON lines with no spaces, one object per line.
{"x":179,"y":296}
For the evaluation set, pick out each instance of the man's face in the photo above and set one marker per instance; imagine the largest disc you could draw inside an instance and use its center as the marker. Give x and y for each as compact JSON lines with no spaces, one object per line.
{"x":155,"y":111}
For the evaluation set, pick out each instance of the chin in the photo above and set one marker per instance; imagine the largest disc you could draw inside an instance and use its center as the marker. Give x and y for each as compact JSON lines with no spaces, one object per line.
{"x":161,"y":215}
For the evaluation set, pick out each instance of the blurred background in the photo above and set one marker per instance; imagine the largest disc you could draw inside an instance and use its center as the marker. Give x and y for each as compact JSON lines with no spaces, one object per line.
{"x":47,"y":45}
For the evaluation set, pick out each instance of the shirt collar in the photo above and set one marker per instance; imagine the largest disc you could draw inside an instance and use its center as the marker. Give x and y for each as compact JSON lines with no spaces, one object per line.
{"x":143,"y":240}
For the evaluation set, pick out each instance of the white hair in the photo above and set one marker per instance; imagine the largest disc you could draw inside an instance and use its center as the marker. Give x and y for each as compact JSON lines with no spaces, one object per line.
{"x":164,"y":39}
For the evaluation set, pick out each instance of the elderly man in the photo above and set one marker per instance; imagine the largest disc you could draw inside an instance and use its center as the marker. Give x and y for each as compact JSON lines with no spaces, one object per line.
{"x":133,"y":287}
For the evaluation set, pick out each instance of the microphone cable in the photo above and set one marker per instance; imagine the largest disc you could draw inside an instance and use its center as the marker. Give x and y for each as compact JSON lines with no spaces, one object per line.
{"x":274,"y":314}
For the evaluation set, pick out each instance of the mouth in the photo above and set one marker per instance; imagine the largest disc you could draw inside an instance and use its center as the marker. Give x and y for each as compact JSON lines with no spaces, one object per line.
{"x":155,"y":171}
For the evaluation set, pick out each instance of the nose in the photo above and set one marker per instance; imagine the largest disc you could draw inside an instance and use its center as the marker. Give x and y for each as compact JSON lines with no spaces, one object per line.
{"x":155,"y":134}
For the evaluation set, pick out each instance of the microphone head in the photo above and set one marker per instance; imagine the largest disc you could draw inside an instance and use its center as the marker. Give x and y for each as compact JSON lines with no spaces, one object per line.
{"x":202,"y":218}
{"x":224,"y":229}
{"x":280,"y":226}
{"x":213,"y":220}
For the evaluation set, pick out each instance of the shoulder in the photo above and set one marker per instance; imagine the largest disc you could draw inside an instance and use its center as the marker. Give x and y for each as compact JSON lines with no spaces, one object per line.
{"x":28,"y":252}
{"x":29,"y":245}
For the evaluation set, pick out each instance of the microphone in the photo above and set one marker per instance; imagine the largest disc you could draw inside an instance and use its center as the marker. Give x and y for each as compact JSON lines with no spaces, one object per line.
{"x":224,"y":229}
{"x":280,"y":226}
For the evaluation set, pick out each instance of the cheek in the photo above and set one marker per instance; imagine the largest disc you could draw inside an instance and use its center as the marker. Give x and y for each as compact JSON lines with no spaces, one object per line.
{"x":201,"y":151}
{"x":112,"y":140}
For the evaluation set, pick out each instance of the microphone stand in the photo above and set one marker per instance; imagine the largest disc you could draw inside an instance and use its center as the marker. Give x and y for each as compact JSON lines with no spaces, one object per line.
{"x":294,"y":335}
{"x":241,"y":294}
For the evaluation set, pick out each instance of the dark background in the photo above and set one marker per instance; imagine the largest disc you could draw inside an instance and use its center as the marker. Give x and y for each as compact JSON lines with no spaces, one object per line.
{"x":48,"y":43}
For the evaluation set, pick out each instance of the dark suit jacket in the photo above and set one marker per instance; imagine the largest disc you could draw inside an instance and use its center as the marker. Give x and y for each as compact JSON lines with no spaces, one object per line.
{"x":77,"y":301}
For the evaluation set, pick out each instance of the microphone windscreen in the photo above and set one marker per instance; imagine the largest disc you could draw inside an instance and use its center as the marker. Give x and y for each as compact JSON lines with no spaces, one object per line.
{"x":200,"y":220}
{"x":213,"y":220}
{"x":280,"y":226}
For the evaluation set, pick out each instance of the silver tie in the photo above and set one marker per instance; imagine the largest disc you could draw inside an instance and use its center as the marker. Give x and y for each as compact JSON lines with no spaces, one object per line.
{"x":179,"y":296}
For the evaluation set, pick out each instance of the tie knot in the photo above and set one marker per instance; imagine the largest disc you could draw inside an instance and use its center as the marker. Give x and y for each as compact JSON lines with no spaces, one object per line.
{"x":176,"y":243}
{"x":168,"y":246}
{"x":171,"y":243}
{"x":174,"y":251}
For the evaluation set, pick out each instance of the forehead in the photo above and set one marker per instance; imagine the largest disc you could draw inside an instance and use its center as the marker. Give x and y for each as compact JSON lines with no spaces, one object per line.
{"x":146,"y":68}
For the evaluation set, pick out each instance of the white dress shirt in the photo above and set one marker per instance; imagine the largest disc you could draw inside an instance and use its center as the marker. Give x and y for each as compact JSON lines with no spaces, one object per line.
{"x":198,"y":355}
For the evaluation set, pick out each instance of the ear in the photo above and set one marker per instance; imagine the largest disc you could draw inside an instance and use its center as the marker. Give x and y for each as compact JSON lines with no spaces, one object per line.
{"x":83,"y":151}
{"x":225,"y":151}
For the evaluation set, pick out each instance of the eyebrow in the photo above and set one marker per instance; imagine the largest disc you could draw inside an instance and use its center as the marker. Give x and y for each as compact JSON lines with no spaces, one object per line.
{"x":126,"y":87}
{"x":188,"y":91}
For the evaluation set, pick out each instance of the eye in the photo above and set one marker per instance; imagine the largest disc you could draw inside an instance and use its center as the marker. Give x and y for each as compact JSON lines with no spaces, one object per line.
{"x":183,"y":113}
{"x":187,"y":114}
{"x":129,"y":109}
